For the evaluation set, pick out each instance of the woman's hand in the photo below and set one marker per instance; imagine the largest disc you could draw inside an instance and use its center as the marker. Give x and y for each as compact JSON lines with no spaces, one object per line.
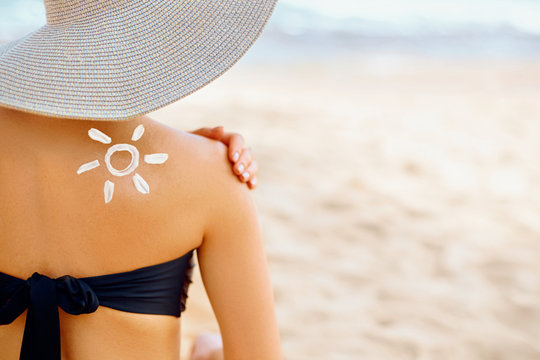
{"x":244,"y":166}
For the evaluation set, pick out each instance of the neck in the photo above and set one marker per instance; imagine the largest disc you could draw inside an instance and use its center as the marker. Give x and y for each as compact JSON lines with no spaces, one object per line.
{"x":14,"y":115}
{"x":29,"y":128}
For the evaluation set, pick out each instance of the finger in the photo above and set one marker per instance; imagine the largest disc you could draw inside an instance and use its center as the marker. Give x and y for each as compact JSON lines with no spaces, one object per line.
{"x":201,"y":131}
{"x":218,"y":132}
{"x":243,"y":162}
{"x":215,"y":133}
{"x":235,"y":142}
{"x":250,"y":172}
{"x":252,"y":183}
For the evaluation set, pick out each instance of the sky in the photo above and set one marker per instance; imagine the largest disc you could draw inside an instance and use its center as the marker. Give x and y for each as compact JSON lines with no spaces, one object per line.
{"x":409,"y":15}
{"x":500,"y":26}
{"x":522,"y":15}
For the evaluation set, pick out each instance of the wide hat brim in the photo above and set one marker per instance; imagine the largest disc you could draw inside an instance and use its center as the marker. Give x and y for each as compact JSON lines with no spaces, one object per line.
{"x":130,"y":60}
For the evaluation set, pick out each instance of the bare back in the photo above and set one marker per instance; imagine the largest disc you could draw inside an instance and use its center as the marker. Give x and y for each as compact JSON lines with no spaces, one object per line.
{"x":56,"y":222}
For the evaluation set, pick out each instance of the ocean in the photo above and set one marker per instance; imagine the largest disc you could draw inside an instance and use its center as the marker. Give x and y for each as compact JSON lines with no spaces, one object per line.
{"x":462,"y":28}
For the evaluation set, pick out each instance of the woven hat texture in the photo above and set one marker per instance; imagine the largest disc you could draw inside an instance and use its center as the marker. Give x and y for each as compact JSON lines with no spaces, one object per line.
{"x":118,"y":59}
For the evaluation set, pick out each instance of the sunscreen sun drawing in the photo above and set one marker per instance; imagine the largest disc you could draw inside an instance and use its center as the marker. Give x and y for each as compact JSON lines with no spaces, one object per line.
{"x":140,"y":184}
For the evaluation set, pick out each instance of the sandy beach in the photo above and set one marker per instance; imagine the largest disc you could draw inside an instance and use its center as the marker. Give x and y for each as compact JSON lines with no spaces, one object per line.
{"x":399,"y":200}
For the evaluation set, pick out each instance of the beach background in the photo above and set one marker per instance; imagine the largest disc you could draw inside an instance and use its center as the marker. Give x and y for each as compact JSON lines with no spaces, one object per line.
{"x":399,"y":183}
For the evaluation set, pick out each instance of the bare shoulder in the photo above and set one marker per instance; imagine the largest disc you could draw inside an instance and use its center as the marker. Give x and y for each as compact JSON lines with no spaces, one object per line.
{"x":231,"y":256}
{"x":204,"y":157}
{"x":205,"y":166}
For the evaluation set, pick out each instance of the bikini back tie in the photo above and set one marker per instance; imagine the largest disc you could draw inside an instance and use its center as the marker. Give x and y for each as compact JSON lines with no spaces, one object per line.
{"x":155,"y":289}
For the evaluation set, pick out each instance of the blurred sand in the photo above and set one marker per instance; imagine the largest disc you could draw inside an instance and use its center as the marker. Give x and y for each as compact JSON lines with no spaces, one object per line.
{"x":399,"y":199}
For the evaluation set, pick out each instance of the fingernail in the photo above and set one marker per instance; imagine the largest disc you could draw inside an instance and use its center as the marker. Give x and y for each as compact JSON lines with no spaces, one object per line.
{"x":236,"y":156}
{"x":253,"y":181}
{"x":245,"y":175}
{"x":240,"y":167}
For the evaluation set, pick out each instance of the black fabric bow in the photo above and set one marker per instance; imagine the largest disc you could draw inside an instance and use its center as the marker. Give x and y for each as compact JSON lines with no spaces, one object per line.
{"x":42,"y":295}
{"x":154,"y":289}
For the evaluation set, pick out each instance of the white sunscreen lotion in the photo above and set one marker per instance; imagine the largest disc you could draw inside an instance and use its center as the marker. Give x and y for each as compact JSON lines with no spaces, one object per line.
{"x":138,"y":181}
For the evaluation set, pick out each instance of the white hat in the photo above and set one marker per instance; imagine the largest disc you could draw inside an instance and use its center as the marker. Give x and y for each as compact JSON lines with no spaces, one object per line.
{"x":119,"y":59}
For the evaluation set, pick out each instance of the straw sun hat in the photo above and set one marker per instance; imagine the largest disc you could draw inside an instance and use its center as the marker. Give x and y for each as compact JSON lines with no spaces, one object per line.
{"x":118,"y":59}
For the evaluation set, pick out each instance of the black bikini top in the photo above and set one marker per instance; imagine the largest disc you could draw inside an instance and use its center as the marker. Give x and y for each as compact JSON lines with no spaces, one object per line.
{"x":156,"y":289}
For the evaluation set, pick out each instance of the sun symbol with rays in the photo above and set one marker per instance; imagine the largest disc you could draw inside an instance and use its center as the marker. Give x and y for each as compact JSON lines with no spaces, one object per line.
{"x":140,"y":184}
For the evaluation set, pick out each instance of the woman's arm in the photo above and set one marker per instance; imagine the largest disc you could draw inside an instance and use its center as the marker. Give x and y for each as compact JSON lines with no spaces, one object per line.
{"x":235,"y":272}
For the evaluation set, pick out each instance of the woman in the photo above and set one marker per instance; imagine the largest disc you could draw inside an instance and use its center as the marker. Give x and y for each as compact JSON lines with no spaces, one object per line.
{"x":102,"y":207}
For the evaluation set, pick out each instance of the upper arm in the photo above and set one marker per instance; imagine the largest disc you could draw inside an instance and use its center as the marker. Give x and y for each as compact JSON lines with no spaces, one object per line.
{"x":235,"y":272}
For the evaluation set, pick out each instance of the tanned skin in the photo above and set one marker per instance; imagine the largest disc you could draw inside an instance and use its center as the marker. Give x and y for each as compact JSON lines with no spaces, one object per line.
{"x":56,"y":222}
